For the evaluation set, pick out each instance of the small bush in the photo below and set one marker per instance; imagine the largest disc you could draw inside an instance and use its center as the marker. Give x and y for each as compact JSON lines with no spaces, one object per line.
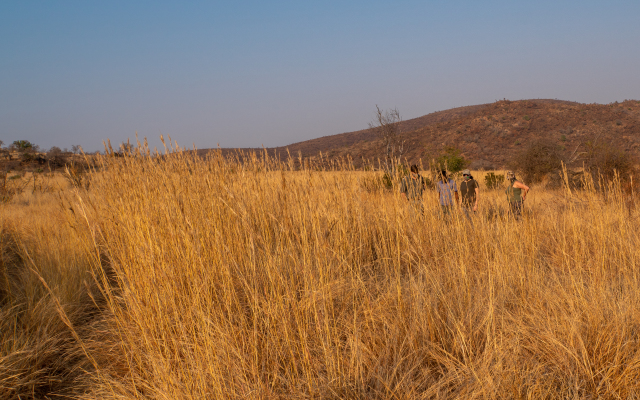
{"x":618,"y":122}
{"x":563,"y":138}
{"x":22,"y":145}
{"x":536,"y":160}
{"x":451,"y":160}
{"x":10,"y":186}
{"x":493,"y":181}
{"x":76,"y":176}
{"x":387,"y":181}
{"x":526,"y":118}
{"x":606,"y":159}
{"x":402,"y":171}
{"x":393,"y":177}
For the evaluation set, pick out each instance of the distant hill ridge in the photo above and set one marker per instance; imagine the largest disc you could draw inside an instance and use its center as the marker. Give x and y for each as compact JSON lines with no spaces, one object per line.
{"x":487,"y":134}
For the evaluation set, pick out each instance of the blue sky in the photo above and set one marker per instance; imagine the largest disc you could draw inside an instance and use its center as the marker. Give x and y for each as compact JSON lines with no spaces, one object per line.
{"x":248,"y":73}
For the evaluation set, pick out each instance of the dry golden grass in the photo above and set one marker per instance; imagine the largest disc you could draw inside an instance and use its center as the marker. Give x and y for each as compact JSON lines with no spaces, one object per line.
{"x":39,"y":324}
{"x":221,"y":280}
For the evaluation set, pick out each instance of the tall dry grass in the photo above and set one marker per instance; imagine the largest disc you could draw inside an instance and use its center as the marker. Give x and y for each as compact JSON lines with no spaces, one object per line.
{"x":227,"y":280}
{"x":49,"y":302}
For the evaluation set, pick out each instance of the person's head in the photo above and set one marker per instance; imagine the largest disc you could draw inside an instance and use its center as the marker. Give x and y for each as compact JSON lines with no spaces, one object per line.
{"x":466,"y":174}
{"x":511,"y":176}
{"x":443,"y":175}
{"x":414,"y":169}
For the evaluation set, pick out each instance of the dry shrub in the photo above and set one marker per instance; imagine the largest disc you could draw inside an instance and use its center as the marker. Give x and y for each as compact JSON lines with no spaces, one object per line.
{"x":605,"y":159}
{"x":12,"y":186}
{"x":56,"y":158}
{"x":538,"y":158}
{"x":76,"y":175}
{"x":493,"y":181}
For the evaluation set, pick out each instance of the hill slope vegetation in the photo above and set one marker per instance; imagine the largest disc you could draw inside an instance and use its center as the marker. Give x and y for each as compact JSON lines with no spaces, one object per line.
{"x":488,"y":134}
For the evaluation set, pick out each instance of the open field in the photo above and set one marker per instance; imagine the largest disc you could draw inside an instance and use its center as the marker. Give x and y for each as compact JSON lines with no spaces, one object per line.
{"x":186,"y":278}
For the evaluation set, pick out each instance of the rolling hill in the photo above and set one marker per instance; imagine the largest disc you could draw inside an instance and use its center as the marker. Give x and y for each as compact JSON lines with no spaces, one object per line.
{"x":488,"y":134}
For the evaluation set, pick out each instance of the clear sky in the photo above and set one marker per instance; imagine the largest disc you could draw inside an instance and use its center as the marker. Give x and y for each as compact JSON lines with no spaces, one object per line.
{"x":252,"y":73}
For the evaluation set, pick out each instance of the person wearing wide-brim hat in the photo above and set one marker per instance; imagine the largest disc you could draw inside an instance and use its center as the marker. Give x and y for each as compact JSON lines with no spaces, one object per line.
{"x":469,"y":191}
{"x":516,"y":193}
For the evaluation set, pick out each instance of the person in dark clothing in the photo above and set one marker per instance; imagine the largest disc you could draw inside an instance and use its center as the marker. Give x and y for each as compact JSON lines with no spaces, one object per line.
{"x":469,"y":191}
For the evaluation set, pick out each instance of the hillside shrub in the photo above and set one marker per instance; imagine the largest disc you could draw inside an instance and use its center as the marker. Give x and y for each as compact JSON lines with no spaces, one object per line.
{"x":57,"y":158}
{"x":451,"y":160}
{"x":536,"y":160}
{"x":606,"y":160}
{"x":22,"y":145}
{"x":493,"y":181}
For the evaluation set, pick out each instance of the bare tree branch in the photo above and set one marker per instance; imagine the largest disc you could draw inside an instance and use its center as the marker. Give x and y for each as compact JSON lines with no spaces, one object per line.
{"x":386,"y":127}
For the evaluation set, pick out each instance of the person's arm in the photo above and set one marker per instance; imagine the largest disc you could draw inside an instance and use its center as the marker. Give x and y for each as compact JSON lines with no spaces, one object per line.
{"x":522,"y":186}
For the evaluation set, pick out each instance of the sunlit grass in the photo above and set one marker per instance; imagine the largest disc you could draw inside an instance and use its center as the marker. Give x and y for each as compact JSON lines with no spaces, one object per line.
{"x":257,"y":280}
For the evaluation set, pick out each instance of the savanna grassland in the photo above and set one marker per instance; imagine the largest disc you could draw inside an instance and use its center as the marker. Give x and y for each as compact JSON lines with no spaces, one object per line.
{"x":179,"y":277}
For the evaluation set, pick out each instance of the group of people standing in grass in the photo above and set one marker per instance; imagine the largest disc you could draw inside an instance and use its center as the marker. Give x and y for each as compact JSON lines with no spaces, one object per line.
{"x":413,"y":186}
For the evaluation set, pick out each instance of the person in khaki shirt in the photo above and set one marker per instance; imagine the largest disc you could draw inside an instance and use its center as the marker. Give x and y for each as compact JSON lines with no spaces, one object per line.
{"x":469,"y":191}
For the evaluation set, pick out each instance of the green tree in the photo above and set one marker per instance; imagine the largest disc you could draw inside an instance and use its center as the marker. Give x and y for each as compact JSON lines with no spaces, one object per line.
{"x":22,"y":145}
{"x":451,"y":160}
